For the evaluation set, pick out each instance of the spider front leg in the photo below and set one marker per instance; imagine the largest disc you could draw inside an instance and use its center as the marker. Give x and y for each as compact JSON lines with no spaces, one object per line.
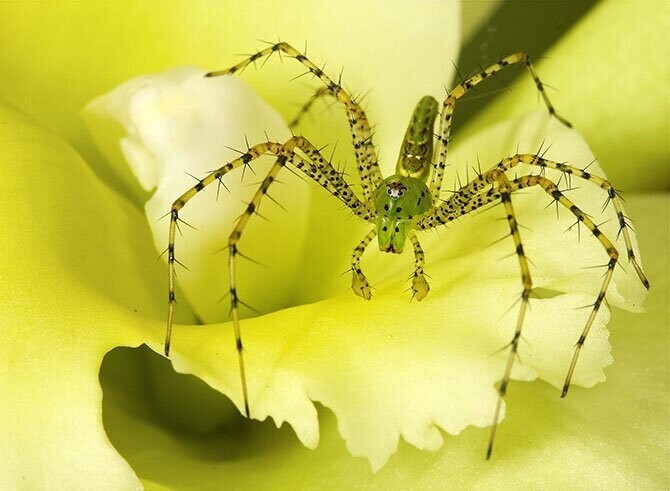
{"x":612,"y":196}
{"x":318,"y":169}
{"x":449,"y":105}
{"x":472,"y":196}
{"x":233,"y":239}
{"x":475,"y":195}
{"x":252,"y":154}
{"x":361,"y":133}
{"x":359,"y":283}
{"x":420,"y":287}
{"x":469,"y":197}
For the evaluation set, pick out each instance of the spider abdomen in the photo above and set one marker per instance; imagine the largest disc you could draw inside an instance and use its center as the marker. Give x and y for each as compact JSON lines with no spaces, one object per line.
{"x":416,"y":150}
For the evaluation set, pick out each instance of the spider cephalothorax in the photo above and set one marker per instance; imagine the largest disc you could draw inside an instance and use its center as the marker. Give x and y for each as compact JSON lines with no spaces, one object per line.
{"x":399,"y":200}
{"x":404,"y":197}
{"x":409,"y":201}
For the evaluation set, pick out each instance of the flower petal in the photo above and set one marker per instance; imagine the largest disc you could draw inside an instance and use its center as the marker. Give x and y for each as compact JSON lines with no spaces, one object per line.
{"x":177,"y":127}
{"x":586,"y":437}
{"x":102,"y":44}
{"x":443,"y":346}
{"x":79,"y":278}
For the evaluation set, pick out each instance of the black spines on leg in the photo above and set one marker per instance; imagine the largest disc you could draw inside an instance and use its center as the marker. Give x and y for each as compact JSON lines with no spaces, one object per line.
{"x":233,"y":298}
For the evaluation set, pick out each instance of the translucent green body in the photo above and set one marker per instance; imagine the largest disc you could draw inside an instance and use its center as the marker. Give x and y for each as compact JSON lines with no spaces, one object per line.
{"x":404,"y":196}
{"x":408,"y":201}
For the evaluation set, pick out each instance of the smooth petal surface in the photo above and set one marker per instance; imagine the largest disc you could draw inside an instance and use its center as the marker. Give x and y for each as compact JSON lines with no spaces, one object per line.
{"x":66,"y":238}
{"x":177,"y":126}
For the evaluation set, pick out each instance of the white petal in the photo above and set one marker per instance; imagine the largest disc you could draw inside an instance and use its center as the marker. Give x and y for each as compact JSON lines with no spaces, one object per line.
{"x":180,"y":122}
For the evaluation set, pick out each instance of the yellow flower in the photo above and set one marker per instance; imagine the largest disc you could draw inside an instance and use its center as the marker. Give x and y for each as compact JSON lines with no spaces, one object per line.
{"x":80,"y":278}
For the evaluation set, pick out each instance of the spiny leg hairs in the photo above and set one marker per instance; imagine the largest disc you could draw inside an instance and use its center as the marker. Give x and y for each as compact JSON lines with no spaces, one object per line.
{"x":408,"y":201}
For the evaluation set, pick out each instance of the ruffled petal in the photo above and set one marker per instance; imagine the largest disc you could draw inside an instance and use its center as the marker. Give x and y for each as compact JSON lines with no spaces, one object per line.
{"x":585,"y":438}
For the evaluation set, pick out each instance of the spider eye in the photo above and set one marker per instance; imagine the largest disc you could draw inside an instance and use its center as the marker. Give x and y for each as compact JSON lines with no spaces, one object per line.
{"x":395,"y":189}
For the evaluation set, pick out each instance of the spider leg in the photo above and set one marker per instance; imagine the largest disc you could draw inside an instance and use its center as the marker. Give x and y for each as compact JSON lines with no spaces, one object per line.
{"x":359,"y":283}
{"x":612,"y":196}
{"x":459,"y":91}
{"x":319,"y":170}
{"x":461,"y":202}
{"x":464,"y":199}
{"x":420,"y":287}
{"x":475,"y":194}
{"x":551,"y":189}
{"x":471,"y":197}
{"x":253,"y":153}
{"x":359,"y":125}
{"x":505,"y":196}
{"x":320,"y":92}
{"x":233,"y":239}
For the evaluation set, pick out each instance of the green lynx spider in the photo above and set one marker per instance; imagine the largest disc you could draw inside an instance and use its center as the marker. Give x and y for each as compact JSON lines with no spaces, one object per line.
{"x":408,"y":201}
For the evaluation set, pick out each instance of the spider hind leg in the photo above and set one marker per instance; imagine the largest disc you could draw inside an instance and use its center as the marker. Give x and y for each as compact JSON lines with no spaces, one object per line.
{"x":449,"y":106}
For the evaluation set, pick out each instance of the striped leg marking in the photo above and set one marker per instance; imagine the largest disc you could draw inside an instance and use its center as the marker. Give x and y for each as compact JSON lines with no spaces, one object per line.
{"x":319,"y":170}
{"x":552,"y":190}
{"x":470,"y":197}
{"x":361,"y":133}
{"x":459,"y":91}
{"x":505,"y":196}
{"x":420,"y":287}
{"x":359,"y":283}
{"x":492,"y":185}
{"x":320,"y":92}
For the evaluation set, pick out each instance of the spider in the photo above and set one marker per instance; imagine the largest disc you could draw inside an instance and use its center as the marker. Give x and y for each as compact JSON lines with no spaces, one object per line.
{"x":408,"y":201}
